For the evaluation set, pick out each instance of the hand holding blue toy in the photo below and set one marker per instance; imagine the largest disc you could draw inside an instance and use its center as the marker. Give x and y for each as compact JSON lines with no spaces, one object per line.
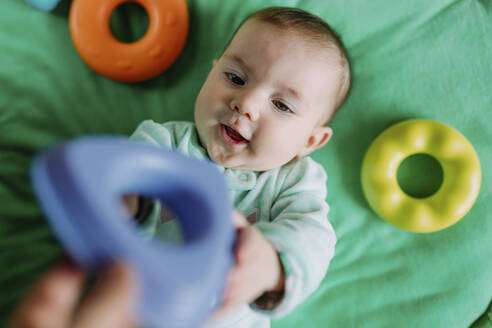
{"x":80,"y":184}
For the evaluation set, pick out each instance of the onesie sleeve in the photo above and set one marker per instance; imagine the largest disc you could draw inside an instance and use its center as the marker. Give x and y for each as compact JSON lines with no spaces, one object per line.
{"x":155,"y":134}
{"x":301,"y":233}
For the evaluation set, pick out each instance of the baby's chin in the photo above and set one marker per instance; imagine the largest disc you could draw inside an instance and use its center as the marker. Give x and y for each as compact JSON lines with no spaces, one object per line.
{"x":228,"y":161}
{"x":238,"y":161}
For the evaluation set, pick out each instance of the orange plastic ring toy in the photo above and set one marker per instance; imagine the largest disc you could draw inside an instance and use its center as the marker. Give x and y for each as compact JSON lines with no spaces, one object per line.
{"x":129,"y":62}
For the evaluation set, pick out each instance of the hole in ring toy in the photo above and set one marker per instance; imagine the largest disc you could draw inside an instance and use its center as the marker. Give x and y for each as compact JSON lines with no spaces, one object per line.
{"x":419,"y":175}
{"x":461,"y":175}
{"x":129,"y":62}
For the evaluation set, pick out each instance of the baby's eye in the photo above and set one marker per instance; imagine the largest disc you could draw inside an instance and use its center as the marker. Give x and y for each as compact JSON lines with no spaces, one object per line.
{"x":234,"y":78}
{"x":281,"y":106}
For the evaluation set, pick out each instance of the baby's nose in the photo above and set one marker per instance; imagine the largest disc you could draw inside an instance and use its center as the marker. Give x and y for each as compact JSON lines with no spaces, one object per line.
{"x":246,"y":110}
{"x":238,"y":109}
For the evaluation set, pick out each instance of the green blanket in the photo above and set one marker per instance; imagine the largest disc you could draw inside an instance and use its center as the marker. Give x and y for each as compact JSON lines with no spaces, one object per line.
{"x":410,"y":59}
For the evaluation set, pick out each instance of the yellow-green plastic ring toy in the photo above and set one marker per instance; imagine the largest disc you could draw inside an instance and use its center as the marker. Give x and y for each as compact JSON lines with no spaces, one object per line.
{"x":455,"y":196}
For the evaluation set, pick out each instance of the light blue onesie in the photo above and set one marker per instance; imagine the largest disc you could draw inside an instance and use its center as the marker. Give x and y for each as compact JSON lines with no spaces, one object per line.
{"x":286,"y":204}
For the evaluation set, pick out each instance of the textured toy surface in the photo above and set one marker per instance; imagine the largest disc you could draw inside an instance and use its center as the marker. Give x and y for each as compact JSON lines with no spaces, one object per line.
{"x":126,"y":62}
{"x":456,"y":195}
{"x":80,"y":185}
{"x":129,"y":62}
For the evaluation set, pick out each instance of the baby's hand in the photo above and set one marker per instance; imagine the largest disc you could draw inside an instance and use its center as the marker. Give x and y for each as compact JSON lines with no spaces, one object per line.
{"x":257,"y":267}
{"x":131,"y":203}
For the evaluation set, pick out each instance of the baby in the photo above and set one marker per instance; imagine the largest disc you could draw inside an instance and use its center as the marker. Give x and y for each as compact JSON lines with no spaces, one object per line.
{"x":262,"y":109}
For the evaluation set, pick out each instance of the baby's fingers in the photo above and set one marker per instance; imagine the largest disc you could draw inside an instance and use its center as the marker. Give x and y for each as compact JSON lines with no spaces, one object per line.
{"x":242,"y":287}
{"x":51,"y":301}
{"x":110,"y":302}
{"x":239,"y":220}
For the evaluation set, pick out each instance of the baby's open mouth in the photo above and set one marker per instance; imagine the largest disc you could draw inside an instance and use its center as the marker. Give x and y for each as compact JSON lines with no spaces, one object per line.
{"x":233,"y":136}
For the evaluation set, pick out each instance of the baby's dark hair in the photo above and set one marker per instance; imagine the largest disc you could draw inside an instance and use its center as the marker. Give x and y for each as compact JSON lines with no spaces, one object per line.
{"x":319,"y":32}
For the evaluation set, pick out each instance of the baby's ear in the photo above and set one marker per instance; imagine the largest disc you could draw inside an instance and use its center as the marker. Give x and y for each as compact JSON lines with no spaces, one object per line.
{"x":318,"y":138}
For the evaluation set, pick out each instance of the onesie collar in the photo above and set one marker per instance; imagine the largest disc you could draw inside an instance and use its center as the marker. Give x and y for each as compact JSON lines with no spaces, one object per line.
{"x":238,"y":179}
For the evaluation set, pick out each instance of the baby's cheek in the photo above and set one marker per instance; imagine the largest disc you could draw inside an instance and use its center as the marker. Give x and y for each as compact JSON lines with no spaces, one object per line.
{"x":276,"y":155}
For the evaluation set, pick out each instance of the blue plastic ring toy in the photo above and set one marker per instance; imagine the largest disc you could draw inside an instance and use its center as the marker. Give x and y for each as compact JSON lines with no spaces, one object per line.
{"x":79,"y":185}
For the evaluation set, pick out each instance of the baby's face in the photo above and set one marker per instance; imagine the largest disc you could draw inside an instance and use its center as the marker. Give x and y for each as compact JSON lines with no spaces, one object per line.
{"x":265,"y":99}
